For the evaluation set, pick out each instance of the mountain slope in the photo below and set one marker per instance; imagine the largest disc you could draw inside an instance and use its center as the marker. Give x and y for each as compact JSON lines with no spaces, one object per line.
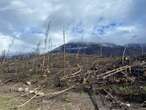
{"x":104,"y":49}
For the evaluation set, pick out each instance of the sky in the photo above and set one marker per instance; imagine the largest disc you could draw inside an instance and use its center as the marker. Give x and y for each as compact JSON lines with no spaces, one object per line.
{"x":25,"y":23}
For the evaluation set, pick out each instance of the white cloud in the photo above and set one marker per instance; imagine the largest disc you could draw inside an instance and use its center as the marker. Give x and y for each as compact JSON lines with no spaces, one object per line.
{"x":129,"y":29}
{"x":13,"y":45}
{"x":5,"y":41}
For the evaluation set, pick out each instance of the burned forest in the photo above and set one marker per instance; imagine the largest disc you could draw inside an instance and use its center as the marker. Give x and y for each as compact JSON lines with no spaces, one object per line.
{"x":72,"y":55}
{"x":104,"y":83}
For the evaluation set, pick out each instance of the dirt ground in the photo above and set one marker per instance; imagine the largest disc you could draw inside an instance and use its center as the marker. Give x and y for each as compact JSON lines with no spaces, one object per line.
{"x":10,"y":99}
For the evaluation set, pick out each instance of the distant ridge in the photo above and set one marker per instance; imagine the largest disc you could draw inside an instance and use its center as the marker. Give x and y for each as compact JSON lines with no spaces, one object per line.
{"x":104,"y":49}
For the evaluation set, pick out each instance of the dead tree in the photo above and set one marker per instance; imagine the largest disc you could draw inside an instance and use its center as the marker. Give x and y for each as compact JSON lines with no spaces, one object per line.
{"x":64,"y":50}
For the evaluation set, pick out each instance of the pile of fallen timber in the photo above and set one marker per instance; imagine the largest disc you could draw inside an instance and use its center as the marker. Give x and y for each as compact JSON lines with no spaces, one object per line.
{"x":101,"y":73}
{"x":95,"y":79}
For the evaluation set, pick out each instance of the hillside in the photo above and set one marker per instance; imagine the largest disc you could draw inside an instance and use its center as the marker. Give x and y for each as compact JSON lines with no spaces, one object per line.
{"x":104,"y":49}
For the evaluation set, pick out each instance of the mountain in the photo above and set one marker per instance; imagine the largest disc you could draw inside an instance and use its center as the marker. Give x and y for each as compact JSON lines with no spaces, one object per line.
{"x":104,"y":49}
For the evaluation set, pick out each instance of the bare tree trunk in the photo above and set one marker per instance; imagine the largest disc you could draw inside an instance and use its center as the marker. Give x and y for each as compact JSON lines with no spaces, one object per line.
{"x":45,"y":44}
{"x":3,"y":56}
{"x":64,"y":50}
{"x":142,"y":50}
{"x":123,"y":56}
{"x":101,"y":48}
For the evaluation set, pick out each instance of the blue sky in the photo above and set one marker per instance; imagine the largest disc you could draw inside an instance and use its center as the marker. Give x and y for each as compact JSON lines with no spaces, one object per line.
{"x":23,"y":23}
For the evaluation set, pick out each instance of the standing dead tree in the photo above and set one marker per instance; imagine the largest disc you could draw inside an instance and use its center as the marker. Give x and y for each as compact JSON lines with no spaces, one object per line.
{"x":37,"y":50}
{"x":3,"y":56}
{"x":48,"y":40}
{"x":45,"y":47}
{"x":101,"y":50}
{"x":5,"y":53}
{"x":124,"y":52}
{"x":64,"y":50}
{"x":10,"y":45}
{"x":142,"y":49}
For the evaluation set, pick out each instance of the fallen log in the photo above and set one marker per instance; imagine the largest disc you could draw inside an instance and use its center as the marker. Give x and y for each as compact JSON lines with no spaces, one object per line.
{"x":20,"y":106}
{"x":115,"y":72}
{"x":51,"y":95}
{"x":72,"y":75}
